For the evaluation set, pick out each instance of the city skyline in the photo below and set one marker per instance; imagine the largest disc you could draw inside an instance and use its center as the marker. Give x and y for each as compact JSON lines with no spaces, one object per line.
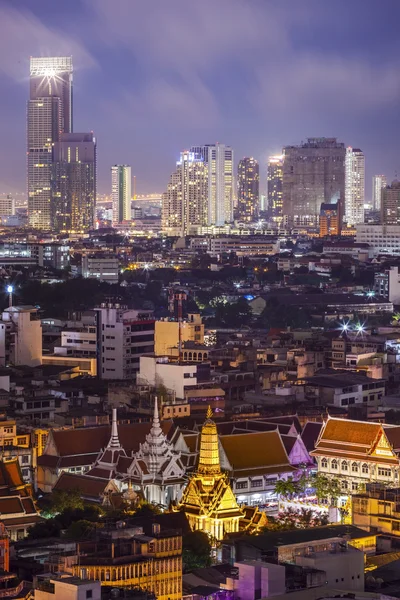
{"x":138,"y":95}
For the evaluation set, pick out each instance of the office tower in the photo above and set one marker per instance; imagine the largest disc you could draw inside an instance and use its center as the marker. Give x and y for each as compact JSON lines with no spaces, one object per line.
{"x":74,"y":182}
{"x":49,"y":113}
{"x":390,"y":204}
{"x":184,"y":204}
{"x":219,"y":161}
{"x":7,"y":205}
{"x":248,"y":191}
{"x":275,"y":180}
{"x":329,"y":219}
{"x":378,"y":183}
{"x":121,"y":180}
{"x":313,"y":173}
{"x":354,"y":186}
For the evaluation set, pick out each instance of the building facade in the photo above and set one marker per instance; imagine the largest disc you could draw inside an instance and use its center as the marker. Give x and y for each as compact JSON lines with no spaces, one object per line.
{"x":102,"y":268}
{"x":275,"y":188}
{"x":248,"y":190}
{"x":382,"y":239}
{"x":378,"y":183}
{"x":49,"y":113}
{"x":74,"y":182}
{"x":21,"y":337}
{"x":7,"y":205}
{"x":390,"y":204}
{"x":329,"y":219}
{"x":313,"y":173}
{"x":121,"y":183}
{"x":123,"y":335}
{"x":354,"y":186}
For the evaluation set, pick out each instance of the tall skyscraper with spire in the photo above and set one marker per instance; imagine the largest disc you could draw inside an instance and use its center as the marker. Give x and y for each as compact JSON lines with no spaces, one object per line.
{"x":49,"y":114}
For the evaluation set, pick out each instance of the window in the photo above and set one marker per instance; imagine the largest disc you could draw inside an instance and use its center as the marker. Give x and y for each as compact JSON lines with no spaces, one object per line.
{"x":354,"y":467}
{"x":256,"y":483}
{"x":241,"y":485}
{"x":345,"y":466}
{"x":354,"y":486}
{"x":345,"y":485}
{"x":89,"y":593}
{"x":334,"y":464}
{"x":324,"y":463}
{"x":384,"y":472}
{"x":365,"y":468}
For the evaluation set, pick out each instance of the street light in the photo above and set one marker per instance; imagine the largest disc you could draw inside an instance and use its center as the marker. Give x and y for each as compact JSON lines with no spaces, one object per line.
{"x":10,"y":290}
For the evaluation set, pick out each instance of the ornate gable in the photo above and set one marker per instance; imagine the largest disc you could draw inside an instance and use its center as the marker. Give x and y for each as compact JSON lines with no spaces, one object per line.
{"x":381,"y":447}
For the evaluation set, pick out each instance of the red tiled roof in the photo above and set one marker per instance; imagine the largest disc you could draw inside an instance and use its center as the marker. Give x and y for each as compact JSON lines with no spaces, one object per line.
{"x":90,"y":487}
{"x":10,"y":505}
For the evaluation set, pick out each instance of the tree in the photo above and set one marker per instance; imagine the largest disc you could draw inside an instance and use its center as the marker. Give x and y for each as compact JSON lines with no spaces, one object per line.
{"x":146,"y":509}
{"x":44,"y":529}
{"x":62,"y":500}
{"x":80,"y":529}
{"x":196,"y":550}
{"x":286,"y":487}
{"x":326,"y":488}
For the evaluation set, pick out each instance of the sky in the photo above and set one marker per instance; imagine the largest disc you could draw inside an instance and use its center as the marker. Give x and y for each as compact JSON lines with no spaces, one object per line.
{"x":154,"y":77}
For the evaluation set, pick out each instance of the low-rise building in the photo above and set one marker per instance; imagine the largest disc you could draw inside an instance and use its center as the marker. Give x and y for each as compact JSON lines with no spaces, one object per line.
{"x":66,"y":588}
{"x":387,"y":284}
{"x":102,"y":268}
{"x":20,"y":337}
{"x":344,"y":389}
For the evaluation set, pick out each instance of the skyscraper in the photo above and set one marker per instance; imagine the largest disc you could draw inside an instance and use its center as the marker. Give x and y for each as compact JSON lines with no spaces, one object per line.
{"x":354,"y":186}
{"x":121,"y":181}
{"x":390,"y":205}
{"x":184,"y":204}
{"x":219,"y":161}
{"x":275,"y":179}
{"x":74,"y":182}
{"x":49,"y":113}
{"x":313,"y":173}
{"x":378,"y":183}
{"x":248,"y":198}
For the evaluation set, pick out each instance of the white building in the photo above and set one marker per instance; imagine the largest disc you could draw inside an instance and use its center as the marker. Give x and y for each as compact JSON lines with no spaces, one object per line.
{"x":158,"y":370}
{"x":80,"y":342}
{"x":7,"y":205}
{"x":123,"y":335}
{"x":387,"y":284}
{"x":354,"y":186}
{"x":67,"y":588}
{"x":102,"y":268}
{"x":121,"y":181}
{"x":20,"y":336}
{"x":243,"y":246}
{"x":219,"y":162}
{"x":378,"y":183}
{"x":384,"y":239}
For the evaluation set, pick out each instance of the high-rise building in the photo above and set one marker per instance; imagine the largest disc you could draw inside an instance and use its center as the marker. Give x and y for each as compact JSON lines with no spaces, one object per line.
{"x":329,"y":219}
{"x":390,"y":204}
{"x":49,"y":113}
{"x":121,"y":182}
{"x":7,"y":205}
{"x":248,"y":191}
{"x":74,"y":182}
{"x":275,"y":179}
{"x":313,"y":173}
{"x":219,"y":161}
{"x":378,"y":183}
{"x":354,"y":186}
{"x":184,"y":204}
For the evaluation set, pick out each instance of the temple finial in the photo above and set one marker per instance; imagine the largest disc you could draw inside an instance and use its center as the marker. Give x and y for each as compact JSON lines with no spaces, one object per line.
{"x":209,"y":412}
{"x":114,"y":440}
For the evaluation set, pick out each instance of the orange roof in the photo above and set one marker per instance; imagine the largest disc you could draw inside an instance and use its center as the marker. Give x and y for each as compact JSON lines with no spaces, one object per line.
{"x":90,"y":487}
{"x":255,"y":450}
{"x":350,"y":432}
{"x":10,"y":473}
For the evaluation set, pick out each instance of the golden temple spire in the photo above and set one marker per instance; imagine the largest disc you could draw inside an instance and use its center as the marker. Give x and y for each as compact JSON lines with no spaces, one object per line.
{"x":209,"y":449}
{"x":209,"y":412}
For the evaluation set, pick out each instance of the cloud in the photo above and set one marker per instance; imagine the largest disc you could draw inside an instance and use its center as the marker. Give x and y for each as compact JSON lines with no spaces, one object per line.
{"x":23,"y":35}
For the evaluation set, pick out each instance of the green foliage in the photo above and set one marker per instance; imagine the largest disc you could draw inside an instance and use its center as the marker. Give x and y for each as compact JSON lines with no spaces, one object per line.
{"x":79,"y":529}
{"x":64,"y":519}
{"x":61,"y":500}
{"x":233,"y":314}
{"x":287,"y":487}
{"x":196,"y":550}
{"x":326,"y":488}
{"x":292,"y":518}
{"x":146,"y":509}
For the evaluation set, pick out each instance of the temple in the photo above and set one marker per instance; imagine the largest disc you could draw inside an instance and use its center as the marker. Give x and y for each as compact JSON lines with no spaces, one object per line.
{"x":208,"y":500}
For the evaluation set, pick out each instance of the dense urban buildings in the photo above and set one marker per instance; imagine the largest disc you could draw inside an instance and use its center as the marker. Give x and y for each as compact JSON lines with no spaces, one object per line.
{"x":74,"y":182}
{"x":313,"y":173}
{"x":248,"y":190}
{"x":49,"y":114}
{"x":390,"y":204}
{"x":121,"y":182}
{"x":354,"y":196}
{"x":274,"y":192}
{"x":378,"y":183}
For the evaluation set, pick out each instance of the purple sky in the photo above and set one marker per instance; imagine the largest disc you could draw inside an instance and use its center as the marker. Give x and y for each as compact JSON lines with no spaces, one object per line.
{"x":153,"y":77}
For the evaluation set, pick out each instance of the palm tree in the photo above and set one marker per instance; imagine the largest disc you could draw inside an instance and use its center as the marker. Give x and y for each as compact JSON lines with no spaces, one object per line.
{"x":286,"y":488}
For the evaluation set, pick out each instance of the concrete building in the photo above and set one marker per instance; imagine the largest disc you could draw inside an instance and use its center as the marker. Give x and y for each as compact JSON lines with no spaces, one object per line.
{"x":49,"y":114}
{"x":390,"y":204}
{"x":259,"y":580}
{"x":74,"y":182}
{"x":383,"y":239}
{"x":329,"y":219}
{"x":169,"y":332}
{"x":218,"y":159}
{"x":123,"y":335}
{"x":387,"y":284}
{"x":248,"y":190}
{"x":184,"y":204}
{"x":243,"y":246}
{"x":275,"y":184}
{"x":67,"y":588}
{"x":176,"y":377}
{"x":313,"y":173}
{"x":345,"y":389}
{"x":378,"y":183}
{"x":7,"y":205}
{"x":20,"y":337}
{"x":121,"y":183}
{"x":102,"y":268}
{"x":377,"y":509}
{"x":354,"y":186}
{"x":44,"y":255}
